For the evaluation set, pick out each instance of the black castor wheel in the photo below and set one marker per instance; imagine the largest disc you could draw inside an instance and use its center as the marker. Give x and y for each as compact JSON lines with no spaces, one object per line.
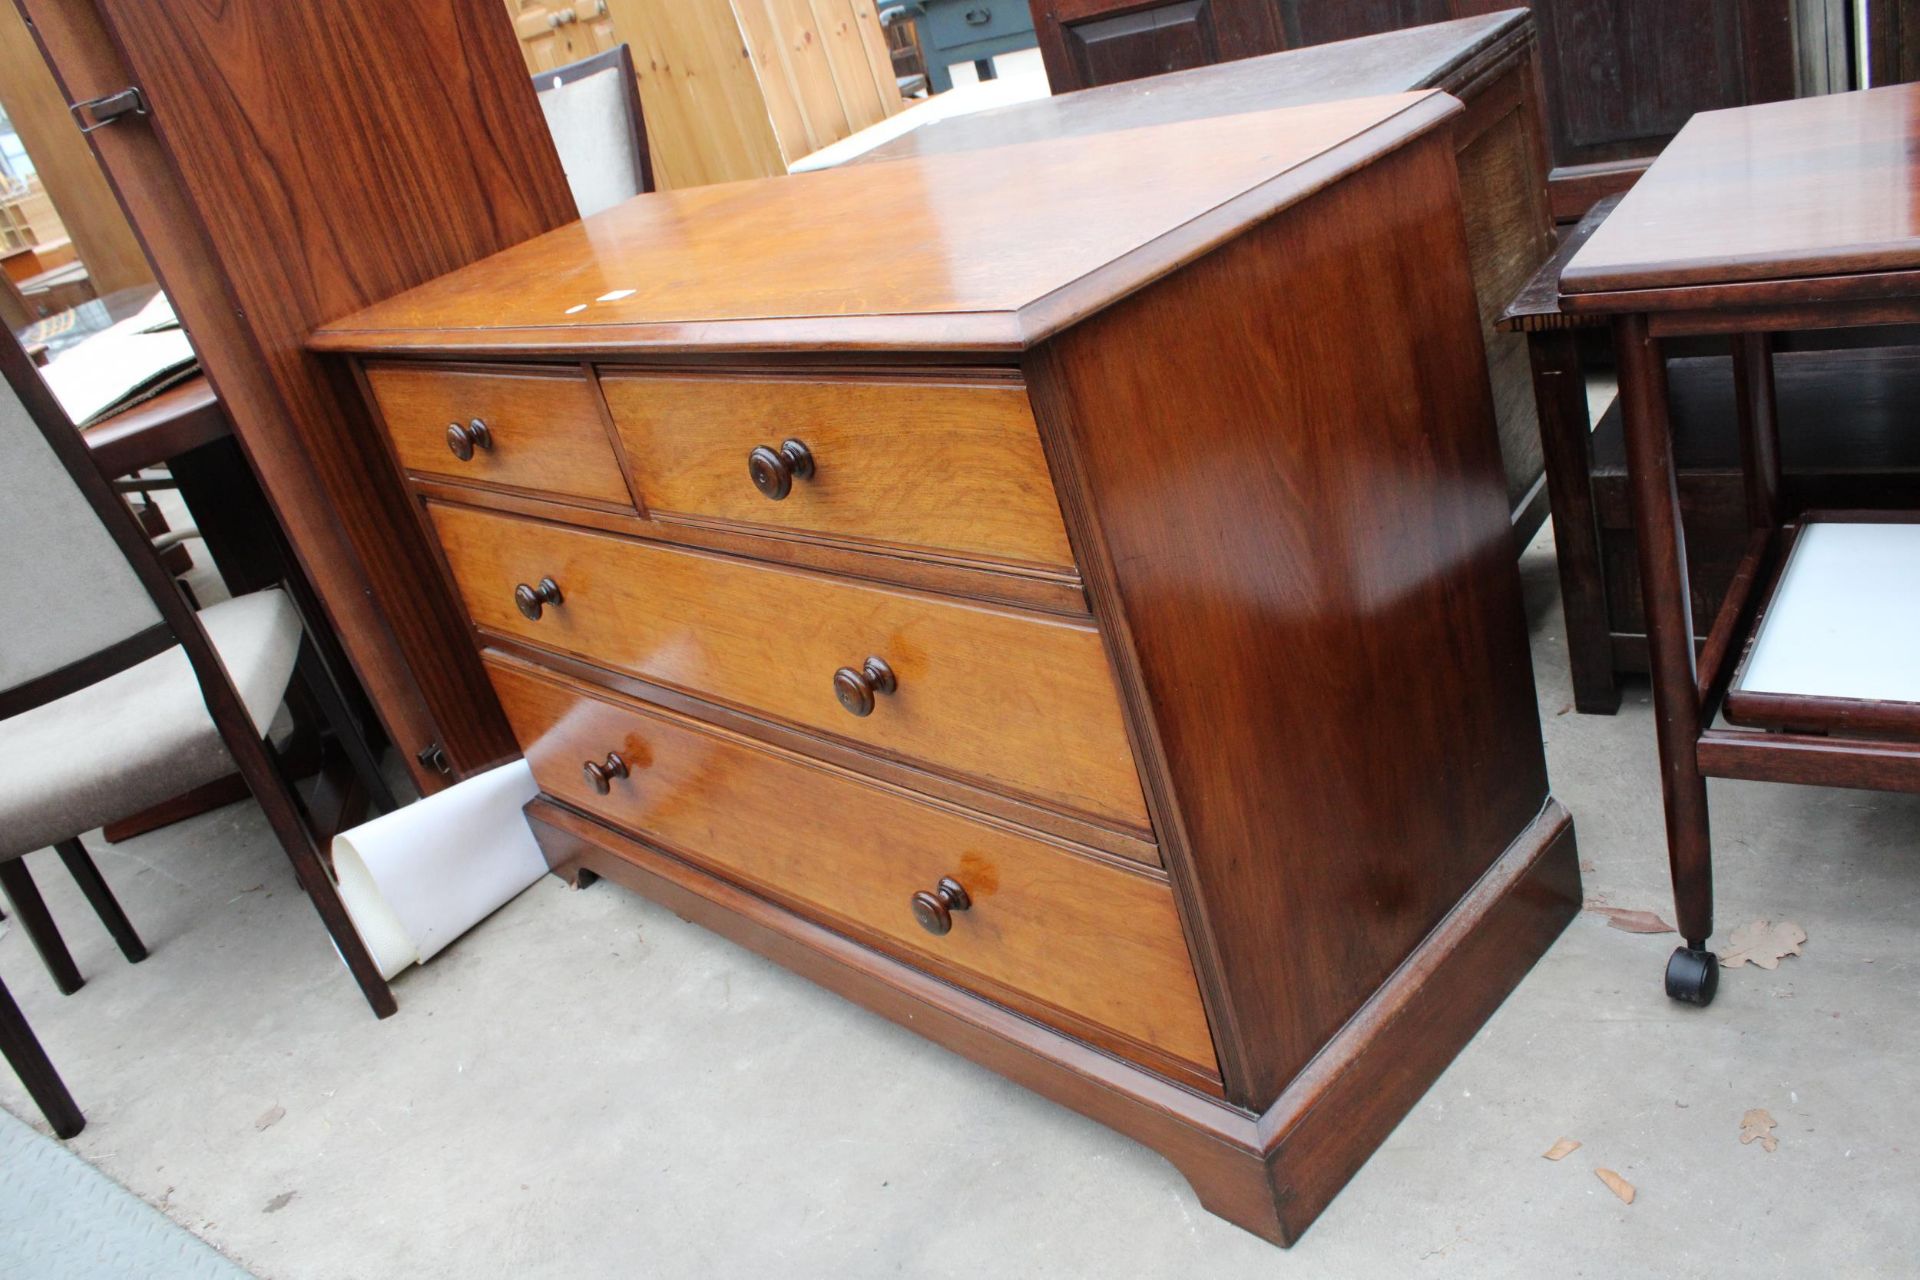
{"x":1693,"y":975}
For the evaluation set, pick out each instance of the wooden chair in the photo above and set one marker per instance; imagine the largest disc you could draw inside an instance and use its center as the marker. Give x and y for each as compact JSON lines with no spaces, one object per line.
{"x":114,"y":694}
{"x":593,"y":111}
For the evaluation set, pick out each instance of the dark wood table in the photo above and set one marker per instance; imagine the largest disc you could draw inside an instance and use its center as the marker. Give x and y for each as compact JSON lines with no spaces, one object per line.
{"x":1756,"y":221}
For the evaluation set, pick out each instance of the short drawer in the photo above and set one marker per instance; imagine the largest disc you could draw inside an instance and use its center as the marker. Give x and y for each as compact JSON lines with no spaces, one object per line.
{"x":927,"y":466}
{"x":1043,"y":920}
{"x":960,"y":22}
{"x":539,"y":430}
{"x":1024,"y":702}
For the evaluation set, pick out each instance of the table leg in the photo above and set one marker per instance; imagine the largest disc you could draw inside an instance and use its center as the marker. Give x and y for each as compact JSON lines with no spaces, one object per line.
{"x":1566,"y":440}
{"x":1759,"y":426}
{"x":1661,"y":540}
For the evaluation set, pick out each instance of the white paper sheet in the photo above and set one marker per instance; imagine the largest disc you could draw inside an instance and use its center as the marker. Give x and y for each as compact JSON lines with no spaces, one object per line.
{"x":122,"y":365}
{"x":417,"y":878}
{"x":1845,"y":619}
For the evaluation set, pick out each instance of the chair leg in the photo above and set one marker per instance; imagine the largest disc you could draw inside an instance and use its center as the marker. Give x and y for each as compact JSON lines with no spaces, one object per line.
{"x":285,"y":814}
{"x":30,"y":1062}
{"x":312,"y":672}
{"x":105,"y":905}
{"x":32,"y":911}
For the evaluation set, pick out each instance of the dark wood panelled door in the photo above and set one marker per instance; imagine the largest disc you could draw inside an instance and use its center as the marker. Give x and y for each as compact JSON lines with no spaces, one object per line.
{"x":1091,"y":42}
{"x":1624,"y":75}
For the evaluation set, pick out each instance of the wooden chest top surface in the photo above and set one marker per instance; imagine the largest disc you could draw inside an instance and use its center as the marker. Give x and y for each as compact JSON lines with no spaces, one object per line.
{"x":990,"y":250}
{"x":1440,"y":55}
{"x":1817,"y":187}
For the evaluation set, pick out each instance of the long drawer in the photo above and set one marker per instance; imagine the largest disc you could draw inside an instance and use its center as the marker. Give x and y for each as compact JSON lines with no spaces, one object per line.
{"x":1041,"y":920}
{"x":538,"y":430}
{"x":942,"y":466}
{"x":1024,"y":702}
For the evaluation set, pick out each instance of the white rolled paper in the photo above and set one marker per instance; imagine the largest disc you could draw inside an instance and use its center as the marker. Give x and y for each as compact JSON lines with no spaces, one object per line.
{"x":417,"y":878}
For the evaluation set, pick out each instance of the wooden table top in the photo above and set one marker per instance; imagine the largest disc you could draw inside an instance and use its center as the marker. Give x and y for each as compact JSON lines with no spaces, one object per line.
{"x":1441,"y":55}
{"x":1824,"y":187}
{"x":178,"y":419}
{"x":991,"y":250}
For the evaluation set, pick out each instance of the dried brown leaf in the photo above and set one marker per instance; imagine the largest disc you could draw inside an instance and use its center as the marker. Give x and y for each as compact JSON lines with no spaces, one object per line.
{"x":1562,"y":1149}
{"x":1764,"y":943}
{"x":270,"y":1117}
{"x":1635,"y":921}
{"x":1616,"y":1184}
{"x":1757,"y":1126}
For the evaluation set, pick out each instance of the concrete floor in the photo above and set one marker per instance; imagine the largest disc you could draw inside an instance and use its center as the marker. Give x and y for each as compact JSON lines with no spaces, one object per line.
{"x":587,"y":1086}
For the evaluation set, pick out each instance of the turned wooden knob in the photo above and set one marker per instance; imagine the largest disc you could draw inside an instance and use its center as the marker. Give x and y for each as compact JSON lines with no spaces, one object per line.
{"x":773,"y":471}
{"x":855,"y":689}
{"x":534,"y":600}
{"x":462,"y":441}
{"x":600,"y":774}
{"x":935,"y":910}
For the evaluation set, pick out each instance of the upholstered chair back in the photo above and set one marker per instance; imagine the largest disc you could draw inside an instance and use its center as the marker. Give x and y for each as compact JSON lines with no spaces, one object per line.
{"x":66,"y":592}
{"x":592,"y":121}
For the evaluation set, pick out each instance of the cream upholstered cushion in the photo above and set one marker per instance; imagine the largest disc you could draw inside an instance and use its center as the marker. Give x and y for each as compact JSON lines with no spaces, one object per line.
{"x":57,"y":554}
{"x":141,"y":736}
{"x":591,"y":130}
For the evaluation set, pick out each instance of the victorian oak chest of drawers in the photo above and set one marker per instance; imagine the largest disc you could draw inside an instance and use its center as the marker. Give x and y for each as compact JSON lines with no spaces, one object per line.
{"x":1083,"y":629}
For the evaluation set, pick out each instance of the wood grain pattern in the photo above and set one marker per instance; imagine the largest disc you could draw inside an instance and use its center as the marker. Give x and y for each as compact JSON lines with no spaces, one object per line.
{"x":1045,"y":591}
{"x":973,"y":796}
{"x":544,"y":425}
{"x":1306,"y":640}
{"x":996,"y":249}
{"x":1022,"y":700}
{"x":1363,"y":535}
{"x":260,"y":108}
{"x":1048,"y":925}
{"x":1269,"y":1174}
{"x":928,"y":463}
{"x":1488,"y":61}
{"x":1755,"y":195}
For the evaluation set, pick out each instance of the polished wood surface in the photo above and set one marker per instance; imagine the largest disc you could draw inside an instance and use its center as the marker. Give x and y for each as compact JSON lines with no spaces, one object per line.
{"x":1271,"y":1174}
{"x":1762,"y":194}
{"x":543,"y":428}
{"x":1022,"y":700}
{"x":995,"y":249}
{"x":1301,"y":684}
{"x":1051,"y":591}
{"x":298,"y":162}
{"x":1487,"y":61}
{"x":1373,"y":561}
{"x":1443,"y":55}
{"x":1049,"y":926}
{"x":929,"y":463}
{"x":180,"y":418}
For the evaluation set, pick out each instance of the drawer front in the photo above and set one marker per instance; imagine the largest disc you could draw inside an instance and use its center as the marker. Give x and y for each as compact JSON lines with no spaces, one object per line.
{"x":544,"y":432}
{"x":939,"y":467}
{"x":1045,"y":922}
{"x":1024,"y":702}
{"x":958,"y":22}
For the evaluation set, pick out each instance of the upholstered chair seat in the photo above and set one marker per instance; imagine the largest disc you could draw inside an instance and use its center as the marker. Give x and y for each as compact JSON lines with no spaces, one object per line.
{"x":142,"y":735}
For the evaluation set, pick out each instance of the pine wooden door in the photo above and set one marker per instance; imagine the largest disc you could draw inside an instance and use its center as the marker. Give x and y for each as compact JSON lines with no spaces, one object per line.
{"x":553,"y":33}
